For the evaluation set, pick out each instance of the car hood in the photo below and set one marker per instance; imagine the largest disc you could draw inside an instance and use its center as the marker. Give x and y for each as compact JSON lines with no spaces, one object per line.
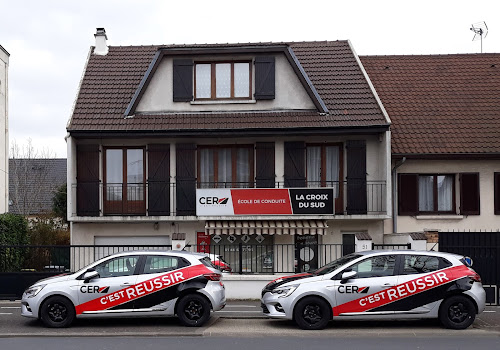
{"x":282,"y":280}
{"x":54,"y":279}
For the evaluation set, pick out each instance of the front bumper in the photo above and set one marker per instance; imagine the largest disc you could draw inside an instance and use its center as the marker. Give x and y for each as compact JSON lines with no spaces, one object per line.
{"x":274,"y":306}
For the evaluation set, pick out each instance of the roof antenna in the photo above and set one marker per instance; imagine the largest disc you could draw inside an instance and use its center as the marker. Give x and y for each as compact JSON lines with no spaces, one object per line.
{"x":480,"y":29}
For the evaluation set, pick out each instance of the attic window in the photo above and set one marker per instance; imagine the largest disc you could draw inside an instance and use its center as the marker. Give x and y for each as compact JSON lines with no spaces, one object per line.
{"x":223,"y":80}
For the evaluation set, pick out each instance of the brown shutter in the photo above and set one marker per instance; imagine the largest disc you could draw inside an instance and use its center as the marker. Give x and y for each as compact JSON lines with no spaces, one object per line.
{"x":185,"y":190}
{"x":497,"y":193}
{"x":264,"y":78}
{"x":264,"y":165}
{"x":295,"y":164}
{"x":408,"y":194}
{"x":159,"y":179}
{"x":87,"y":180}
{"x":469,"y":194}
{"x":356,"y":177}
{"x":183,"y":80}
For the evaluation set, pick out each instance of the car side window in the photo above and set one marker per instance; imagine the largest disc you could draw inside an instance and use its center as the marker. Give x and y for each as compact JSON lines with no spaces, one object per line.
{"x":163,"y":263}
{"x":117,"y":267}
{"x":415,"y":264}
{"x":376,"y":266}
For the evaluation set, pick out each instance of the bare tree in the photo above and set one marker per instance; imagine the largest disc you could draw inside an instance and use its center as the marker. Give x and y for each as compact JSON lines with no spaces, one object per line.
{"x":30,"y":179}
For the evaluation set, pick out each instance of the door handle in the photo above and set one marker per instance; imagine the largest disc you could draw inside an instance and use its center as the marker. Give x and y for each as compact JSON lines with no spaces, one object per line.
{"x":126,"y":284}
{"x":388,"y":285}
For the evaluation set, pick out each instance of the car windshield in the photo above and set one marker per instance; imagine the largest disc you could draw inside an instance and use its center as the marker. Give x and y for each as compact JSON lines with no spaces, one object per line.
{"x":332,"y":266}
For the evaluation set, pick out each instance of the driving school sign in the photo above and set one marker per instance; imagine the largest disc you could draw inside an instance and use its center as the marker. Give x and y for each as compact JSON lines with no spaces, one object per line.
{"x":265,"y":201}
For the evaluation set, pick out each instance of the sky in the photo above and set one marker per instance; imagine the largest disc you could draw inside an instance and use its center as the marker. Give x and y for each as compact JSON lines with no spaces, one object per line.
{"x":49,"y":40}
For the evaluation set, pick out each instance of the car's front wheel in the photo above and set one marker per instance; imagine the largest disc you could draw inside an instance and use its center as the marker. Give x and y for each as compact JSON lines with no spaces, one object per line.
{"x":457,"y":312}
{"x":193,"y":310}
{"x":57,"y":312}
{"x":312,"y":313}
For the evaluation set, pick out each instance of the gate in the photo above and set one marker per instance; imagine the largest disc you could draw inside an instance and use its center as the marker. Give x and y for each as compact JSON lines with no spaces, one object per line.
{"x":484,"y":249}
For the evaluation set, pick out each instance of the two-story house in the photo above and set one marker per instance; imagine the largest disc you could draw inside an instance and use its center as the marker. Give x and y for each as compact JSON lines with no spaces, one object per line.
{"x":4,"y":130}
{"x":261,"y":146}
{"x":445,"y":139}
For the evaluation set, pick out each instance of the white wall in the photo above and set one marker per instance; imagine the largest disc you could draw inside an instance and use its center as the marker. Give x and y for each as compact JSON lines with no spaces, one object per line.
{"x":289,"y":95}
{"x":4,"y":131}
{"x":486,"y":221}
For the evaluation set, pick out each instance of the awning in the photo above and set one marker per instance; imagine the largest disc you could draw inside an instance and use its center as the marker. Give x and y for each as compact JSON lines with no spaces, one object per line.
{"x":266,"y":227}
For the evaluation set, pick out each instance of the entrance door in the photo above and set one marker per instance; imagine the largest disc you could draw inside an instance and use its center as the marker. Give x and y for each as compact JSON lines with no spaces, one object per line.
{"x":306,"y":253}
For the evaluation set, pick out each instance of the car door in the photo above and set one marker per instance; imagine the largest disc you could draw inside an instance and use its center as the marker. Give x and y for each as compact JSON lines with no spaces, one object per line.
{"x":158,"y":282}
{"x":108,"y":292}
{"x":365,"y":293}
{"x":417,"y":280}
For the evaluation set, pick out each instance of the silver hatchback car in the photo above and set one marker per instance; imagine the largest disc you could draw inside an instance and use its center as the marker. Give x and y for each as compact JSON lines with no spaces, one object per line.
{"x":377,"y":285}
{"x":132,"y":283}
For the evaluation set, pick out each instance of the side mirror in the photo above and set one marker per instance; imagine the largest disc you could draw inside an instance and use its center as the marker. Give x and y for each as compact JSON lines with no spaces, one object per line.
{"x":348,"y":275}
{"x":89,"y":275}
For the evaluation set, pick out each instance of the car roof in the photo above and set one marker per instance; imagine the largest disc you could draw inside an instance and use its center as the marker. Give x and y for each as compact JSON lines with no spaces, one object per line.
{"x":160,"y":252}
{"x":408,"y":251}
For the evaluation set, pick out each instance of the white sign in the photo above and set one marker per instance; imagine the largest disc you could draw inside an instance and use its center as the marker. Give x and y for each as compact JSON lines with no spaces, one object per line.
{"x":214,"y":201}
{"x":231,"y":238}
{"x":245,"y":238}
{"x":216,"y":238}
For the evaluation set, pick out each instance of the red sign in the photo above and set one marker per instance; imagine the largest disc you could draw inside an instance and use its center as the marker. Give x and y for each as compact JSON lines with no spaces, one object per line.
{"x":203,"y":242}
{"x":261,"y":201}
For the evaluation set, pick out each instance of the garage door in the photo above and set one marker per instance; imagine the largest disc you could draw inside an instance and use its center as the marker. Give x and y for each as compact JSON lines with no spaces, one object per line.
{"x":114,"y":244}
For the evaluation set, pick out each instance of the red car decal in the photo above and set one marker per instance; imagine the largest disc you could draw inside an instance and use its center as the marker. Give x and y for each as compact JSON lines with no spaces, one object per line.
{"x":404,"y":290}
{"x":142,"y":289}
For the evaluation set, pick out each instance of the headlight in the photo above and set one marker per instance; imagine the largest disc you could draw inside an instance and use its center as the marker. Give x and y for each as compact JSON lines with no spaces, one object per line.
{"x":283,"y":292}
{"x":33,"y":290}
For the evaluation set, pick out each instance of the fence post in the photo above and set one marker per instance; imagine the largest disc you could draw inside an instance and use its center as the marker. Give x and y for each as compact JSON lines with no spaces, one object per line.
{"x":241,"y":257}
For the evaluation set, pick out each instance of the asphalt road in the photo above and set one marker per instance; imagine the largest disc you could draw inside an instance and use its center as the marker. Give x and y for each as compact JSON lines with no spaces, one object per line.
{"x":240,"y":319}
{"x":241,"y":343}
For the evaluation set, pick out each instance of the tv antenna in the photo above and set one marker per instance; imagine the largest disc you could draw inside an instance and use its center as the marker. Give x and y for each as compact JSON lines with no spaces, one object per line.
{"x":480,"y":30}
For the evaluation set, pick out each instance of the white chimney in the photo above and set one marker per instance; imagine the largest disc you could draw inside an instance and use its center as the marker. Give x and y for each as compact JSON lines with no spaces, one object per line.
{"x":101,"y":47}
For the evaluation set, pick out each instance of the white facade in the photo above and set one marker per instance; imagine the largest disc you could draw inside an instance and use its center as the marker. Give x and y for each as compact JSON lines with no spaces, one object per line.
{"x":4,"y":131}
{"x":485,"y":221}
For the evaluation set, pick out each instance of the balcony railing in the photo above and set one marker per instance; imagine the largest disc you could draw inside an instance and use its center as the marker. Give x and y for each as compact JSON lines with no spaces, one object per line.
{"x":170,"y":199}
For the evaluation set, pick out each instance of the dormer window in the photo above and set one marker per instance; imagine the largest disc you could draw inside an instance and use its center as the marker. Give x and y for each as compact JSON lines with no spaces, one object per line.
{"x":223,"y":80}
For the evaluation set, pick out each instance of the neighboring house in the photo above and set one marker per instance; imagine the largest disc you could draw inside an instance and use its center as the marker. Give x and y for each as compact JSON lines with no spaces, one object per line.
{"x":206,"y":141}
{"x":32,"y":183}
{"x":445,"y":111}
{"x":4,"y":130}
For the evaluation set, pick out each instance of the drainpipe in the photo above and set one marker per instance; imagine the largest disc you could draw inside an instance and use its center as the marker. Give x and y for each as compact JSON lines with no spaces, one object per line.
{"x":394,"y":190}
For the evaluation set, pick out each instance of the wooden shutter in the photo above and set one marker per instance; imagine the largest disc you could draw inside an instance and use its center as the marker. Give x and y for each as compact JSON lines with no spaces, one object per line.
{"x":497,"y":193}
{"x":265,"y":165}
{"x":183,"y":80}
{"x":469,"y":194}
{"x":356,"y":177}
{"x":87,"y":180}
{"x":408,"y":194}
{"x":295,"y":164}
{"x":159,"y":179}
{"x":185,"y":190}
{"x":264,"y":78}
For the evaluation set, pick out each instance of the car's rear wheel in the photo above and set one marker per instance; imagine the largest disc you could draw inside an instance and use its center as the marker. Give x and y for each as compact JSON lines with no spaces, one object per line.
{"x":193,"y":310}
{"x":57,"y":312}
{"x":312,"y":313}
{"x":457,"y":312}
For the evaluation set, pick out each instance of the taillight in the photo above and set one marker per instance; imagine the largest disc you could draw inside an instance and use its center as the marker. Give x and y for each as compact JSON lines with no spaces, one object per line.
{"x":212,"y":276}
{"x":474,"y":276}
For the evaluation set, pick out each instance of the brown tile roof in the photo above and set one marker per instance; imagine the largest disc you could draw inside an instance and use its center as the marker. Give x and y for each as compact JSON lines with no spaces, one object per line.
{"x":440,"y":104}
{"x":110,"y":82}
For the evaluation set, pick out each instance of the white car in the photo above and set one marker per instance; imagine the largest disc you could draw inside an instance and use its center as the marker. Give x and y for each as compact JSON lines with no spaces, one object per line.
{"x":130,"y":283}
{"x":377,"y":285}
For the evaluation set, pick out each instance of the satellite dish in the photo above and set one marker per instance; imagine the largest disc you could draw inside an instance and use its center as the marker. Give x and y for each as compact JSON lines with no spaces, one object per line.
{"x":480,"y":30}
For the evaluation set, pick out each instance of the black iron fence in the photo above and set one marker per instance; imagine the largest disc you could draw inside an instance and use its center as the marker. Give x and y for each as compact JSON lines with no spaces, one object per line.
{"x":242,"y":258}
{"x":160,"y":197}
